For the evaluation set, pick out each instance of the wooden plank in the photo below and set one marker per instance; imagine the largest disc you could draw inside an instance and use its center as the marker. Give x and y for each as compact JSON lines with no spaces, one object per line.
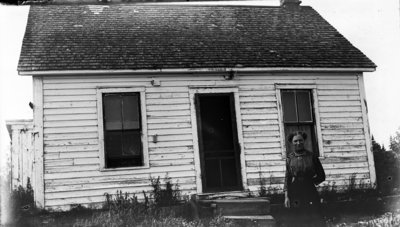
{"x":336,"y":92}
{"x":167,"y":89}
{"x":101,"y":191}
{"x":166,"y":108}
{"x":346,"y":131}
{"x":116,"y":178}
{"x":340,"y":109}
{"x":347,"y":171}
{"x":258,"y":105}
{"x":66,"y":98}
{"x":167,"y":101}
{"x":343,"y":137}
{"x":339,"y":103}
{"x":267,"y":116}
{"x":154,"y":170}
{"x":70,"y":117}
{"x":265,"y":163}
{"x":164,"y":150}
{"x":250,"y":92}
{"x":96,"y":84}
{"x":265,"y":174}
{"x":38,"y":180}
{"x":347,"y":81}
{"x":260,"y":122}
{"x":170,"y":113}
{"x":171,"y":143}
{"x":261,"y":139}
{"x":59,"y":162}
{"x":268,"y":151}
{"x":356,"y":153}
{"x":344,"y":159}
{"x":338,"y":87}
{"x":339,"y":98}
{"x":170,"y":156}
{"x":170,"y":138}
{"x":173,"y":119}
{"x":71,"y":136}
{"x":169,"y":125}
{"x":345,"y":165}
{"x":249,"y":99}
{"x":71,"y":104}
{"x":162,"y":95}
{"x":367,"y":132}
{"x":79,"y":154}
{"x":262,"y":145}
{"x":51,"y":156}
{"x":345,"y":149}
{"x":261,"y":85}
{"x":81,"y":110}
{"x":189,"y":161}
{"x":269,"y":169}
{"x":70,"y":123}
{"x":83,"y":161}
{"x":334,"y":143}
{"x":336,"y":126}
{"x":263,"y":157}
{"x":258,"y":111}
{"x":260,"y":128}
{"x":340,"y":114}
{"x":74,"y":168}
{"x":143,"y":182}
{"x":152,"y":132}
{"x":260,"y":134}
{"x":70,"y":142}
{"x":69,"y":92}
{"x":71,"y":129}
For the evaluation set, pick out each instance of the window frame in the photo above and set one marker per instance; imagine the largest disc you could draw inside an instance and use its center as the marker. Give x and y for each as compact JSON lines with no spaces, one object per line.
{"x":143,"y":121}
{"x":315,"y":109}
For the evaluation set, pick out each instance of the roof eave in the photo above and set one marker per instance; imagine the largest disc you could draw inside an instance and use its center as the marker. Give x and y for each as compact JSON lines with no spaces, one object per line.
{"x":192,"y":70}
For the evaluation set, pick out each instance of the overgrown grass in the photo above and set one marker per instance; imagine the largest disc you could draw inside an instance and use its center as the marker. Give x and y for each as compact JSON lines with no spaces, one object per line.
{"x":387,"y":220}
{"x":162,"y":207}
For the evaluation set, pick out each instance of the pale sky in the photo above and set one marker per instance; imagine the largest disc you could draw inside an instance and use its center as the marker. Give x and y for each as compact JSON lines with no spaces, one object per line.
{"x":373,"y":26}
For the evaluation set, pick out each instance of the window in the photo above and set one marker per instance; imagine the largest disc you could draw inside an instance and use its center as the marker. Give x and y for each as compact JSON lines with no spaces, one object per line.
{"x":122,"y":129}
{"x":298,"y":115}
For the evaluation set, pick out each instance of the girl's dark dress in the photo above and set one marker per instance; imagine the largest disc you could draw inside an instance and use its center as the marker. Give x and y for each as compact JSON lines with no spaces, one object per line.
{"x":303,"y":172}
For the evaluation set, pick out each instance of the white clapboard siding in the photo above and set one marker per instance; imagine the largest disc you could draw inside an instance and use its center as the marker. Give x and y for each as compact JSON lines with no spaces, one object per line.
{"x":71,"y":145}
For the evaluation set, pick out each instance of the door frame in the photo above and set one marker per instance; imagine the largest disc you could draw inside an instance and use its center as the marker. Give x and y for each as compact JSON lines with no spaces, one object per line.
{"x":197,"y":159}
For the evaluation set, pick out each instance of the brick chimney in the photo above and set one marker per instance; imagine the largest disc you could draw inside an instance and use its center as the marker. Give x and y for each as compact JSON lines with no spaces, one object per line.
{"x":290,"y":4}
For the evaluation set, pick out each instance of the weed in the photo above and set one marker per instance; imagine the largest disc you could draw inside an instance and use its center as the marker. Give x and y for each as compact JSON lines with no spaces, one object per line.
{"x":169,"y":196}
{"x":262,"y":190}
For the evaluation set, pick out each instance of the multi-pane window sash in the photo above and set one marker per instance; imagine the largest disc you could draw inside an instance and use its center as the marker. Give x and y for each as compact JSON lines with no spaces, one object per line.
{"x":122,"y":130}
{"x":298,"y":115}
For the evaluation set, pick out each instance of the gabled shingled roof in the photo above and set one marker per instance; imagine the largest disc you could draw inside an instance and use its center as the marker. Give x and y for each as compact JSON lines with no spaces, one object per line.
{"x":132,"y":37}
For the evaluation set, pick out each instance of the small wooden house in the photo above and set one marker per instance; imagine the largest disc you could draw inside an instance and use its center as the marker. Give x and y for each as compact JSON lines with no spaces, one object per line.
{"x":203,"y":94}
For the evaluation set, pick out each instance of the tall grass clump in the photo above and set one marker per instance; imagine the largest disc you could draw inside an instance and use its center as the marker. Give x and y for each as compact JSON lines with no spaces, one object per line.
{"x":21,"y":201}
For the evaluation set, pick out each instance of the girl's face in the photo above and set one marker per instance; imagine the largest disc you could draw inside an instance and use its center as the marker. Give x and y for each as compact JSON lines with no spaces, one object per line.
{"x":298,"y":143}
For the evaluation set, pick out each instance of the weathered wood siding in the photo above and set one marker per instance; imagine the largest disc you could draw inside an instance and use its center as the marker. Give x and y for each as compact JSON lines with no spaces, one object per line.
{"x":71,"y":149}
{"x":21,"y":157}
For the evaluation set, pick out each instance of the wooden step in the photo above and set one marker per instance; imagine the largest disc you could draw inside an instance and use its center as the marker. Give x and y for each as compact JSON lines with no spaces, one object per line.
{"x":242,"y":207}
{"x":253,"y":220}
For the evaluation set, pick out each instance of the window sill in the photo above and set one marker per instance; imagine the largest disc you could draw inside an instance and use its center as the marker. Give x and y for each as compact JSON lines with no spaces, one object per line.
{"x":124,"y":168}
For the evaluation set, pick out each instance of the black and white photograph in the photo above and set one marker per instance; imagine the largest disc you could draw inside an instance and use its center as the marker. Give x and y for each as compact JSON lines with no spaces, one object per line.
{"x":163,"y":113}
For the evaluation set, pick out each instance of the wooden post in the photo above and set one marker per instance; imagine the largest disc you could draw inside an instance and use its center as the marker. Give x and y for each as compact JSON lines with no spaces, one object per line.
{"x":367,"y":133}
{"x":38,"y":181}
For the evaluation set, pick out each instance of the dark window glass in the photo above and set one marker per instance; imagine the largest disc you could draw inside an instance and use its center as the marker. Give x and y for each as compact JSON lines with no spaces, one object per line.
{"x":288,"y":102}
{"x":122,"y":130}
{"x":304,"y":106}
{"x":298,"y":116}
